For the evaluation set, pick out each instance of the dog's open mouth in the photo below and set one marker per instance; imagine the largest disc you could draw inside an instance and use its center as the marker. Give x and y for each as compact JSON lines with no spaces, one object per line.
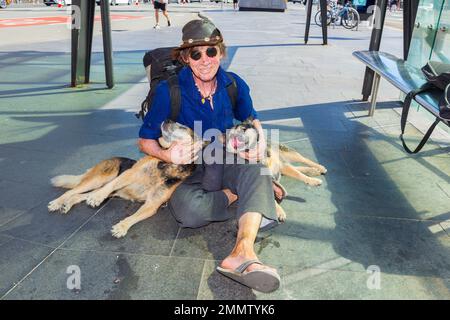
{"x":240,"y":142}
{"x":235,"y":143}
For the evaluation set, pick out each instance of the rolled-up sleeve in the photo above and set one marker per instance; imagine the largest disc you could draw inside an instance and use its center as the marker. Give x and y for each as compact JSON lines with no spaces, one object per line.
{"x":244,"y":103}
{"x":159,"y":111}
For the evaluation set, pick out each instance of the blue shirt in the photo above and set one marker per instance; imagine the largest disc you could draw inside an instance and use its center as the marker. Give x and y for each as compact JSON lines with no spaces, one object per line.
{"x":192,"y":109}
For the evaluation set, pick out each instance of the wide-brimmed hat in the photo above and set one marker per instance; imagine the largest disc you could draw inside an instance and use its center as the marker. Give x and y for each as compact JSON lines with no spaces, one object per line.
{"x":200,"y":33}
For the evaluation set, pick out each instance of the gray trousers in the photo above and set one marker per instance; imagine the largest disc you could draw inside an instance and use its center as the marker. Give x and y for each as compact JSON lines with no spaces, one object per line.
{"x":193,"y":207}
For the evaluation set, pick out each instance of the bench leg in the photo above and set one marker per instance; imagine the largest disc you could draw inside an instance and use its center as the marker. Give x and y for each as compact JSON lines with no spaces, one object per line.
{"x":373,"y":98}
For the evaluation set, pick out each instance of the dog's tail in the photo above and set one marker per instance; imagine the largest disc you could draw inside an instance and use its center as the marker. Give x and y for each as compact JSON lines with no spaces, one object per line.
{"x":66,"y":181}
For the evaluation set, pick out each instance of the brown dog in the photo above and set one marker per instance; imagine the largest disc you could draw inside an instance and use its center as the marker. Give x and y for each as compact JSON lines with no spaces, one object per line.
{"x":149,"y":180}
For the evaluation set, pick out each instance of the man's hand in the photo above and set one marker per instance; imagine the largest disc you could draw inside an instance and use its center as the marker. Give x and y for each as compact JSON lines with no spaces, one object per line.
{"x":183,"y":153}
{"x":259,"y":152}
{"x":256,"y":154}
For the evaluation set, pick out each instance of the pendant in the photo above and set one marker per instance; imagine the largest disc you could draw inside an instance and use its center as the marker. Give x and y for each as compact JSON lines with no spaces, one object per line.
{"x":203,"y":100}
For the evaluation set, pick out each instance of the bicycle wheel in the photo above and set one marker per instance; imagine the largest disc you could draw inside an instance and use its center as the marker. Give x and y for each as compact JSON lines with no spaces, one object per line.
{"x":318,"y":18}
{"x":351,"y":19}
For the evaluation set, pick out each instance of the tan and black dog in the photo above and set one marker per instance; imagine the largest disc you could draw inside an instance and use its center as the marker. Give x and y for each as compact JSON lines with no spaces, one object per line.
{"x":148,"y":180}
{"x":279,"y":158}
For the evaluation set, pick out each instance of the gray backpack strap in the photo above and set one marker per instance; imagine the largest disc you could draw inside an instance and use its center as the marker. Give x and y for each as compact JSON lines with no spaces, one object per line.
{"x":175,"y":97}
{"x":232,"y":91}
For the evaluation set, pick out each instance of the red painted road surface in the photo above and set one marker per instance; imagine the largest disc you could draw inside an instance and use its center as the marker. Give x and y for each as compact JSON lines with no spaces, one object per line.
{"x":22,"y":22}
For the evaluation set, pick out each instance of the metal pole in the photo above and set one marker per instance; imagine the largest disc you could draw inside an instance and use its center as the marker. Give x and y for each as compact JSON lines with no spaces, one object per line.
{"x":409,"y":18}
{"x":375,"y":40}
{"x":89,"y":34}
{"x":107,"y":43}
{"x":79,"y":44}
{"x":308,"y":19}
{"x":74,"y":47}
{"x":323,"y":14}
{"x":323,"y":10}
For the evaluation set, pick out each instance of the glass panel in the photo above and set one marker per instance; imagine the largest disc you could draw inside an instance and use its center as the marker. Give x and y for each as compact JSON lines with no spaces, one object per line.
{"x":441,"y":50}
{"x":359,"y":2}
{"x":424,"y":32}
{"x":431,"y":40}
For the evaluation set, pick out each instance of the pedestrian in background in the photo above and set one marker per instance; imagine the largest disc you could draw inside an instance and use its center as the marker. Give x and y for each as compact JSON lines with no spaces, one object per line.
{"x":393,"y":4}
{"x":160,"y":5}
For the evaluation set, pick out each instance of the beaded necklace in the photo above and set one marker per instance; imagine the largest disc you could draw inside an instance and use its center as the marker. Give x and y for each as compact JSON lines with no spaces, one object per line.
{"x":209,"y":96}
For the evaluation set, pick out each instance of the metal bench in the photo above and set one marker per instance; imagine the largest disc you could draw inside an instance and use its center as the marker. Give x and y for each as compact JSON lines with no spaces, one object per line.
{"x":404,"y":77}
{"x":401,"y":75}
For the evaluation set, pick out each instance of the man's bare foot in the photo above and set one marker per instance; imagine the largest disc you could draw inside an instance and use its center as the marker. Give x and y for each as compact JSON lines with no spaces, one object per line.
{"x":230,"y":195}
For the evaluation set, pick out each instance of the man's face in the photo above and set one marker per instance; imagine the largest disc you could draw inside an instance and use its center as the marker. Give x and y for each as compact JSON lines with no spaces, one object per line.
{"x":205,"y":61}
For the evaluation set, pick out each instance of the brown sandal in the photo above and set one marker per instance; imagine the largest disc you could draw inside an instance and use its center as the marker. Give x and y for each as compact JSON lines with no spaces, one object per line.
{"x":263,"y":280}
{"x":283,"y":190}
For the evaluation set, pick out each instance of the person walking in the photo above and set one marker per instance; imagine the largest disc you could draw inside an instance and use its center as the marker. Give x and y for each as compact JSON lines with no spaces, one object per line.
{"x":160,"y":5}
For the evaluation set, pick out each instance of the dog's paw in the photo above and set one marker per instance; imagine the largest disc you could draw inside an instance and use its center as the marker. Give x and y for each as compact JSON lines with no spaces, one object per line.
{"x":54,"y":205}
{"x":314,"y":172}
{"x":322,"y":169}
{"x":65,"y":208}
{"x":95,"y":199}
{"x":119,"y":230}
{"x":314,"y":182}
{"x":281,"y":215}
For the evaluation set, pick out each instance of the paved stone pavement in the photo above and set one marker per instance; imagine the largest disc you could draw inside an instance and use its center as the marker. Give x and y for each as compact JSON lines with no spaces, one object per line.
{"x":378,"y":208}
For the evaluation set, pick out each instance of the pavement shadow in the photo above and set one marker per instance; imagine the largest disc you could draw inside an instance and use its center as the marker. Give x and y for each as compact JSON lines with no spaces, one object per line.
{"x":376,"y":222}
{"x":43,"y":73}
{"x":48,"y":129}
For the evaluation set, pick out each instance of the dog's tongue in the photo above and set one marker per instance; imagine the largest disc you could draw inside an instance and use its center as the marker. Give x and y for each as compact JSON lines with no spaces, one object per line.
{"x":235,"y":143}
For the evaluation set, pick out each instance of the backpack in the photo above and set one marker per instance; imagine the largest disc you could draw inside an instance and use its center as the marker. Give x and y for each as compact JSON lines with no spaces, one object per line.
{"x":438,"y":78}
{"x":160,"y":65}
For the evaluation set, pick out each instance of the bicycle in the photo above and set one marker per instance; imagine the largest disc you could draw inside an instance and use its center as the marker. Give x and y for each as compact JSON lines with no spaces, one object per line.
{"x":345,"y":15}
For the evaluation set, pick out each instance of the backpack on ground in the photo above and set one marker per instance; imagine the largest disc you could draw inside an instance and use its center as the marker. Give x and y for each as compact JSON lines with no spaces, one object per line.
{"x":438,"y":78}
{"x":160,"y":65}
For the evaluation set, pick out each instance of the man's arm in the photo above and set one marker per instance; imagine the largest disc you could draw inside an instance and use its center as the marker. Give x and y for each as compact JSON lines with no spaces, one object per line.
{"x":258,"y":153}
{"x":178,"y":153}
{"x":152,"y":148}
{"x":258,"y":126}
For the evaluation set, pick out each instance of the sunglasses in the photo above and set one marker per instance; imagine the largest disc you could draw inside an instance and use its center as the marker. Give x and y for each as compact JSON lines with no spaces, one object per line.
{"x":210,"y":52}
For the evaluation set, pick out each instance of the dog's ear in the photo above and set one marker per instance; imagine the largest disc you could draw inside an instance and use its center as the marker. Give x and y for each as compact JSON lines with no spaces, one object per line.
{"x":249,"y":120}
{"x":222,"y":139}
